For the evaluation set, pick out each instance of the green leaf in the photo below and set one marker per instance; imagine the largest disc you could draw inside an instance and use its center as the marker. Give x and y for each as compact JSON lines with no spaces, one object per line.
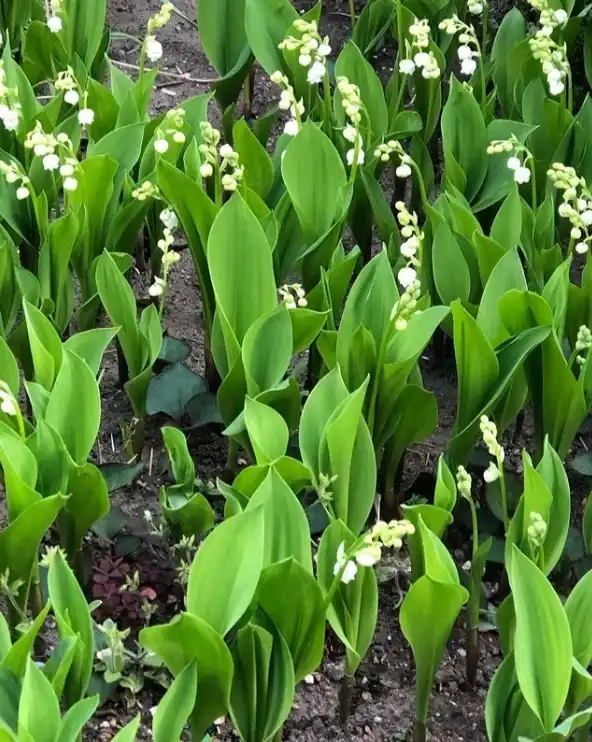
{"x":507,"y":274}
{"x":222,"y":33}
{"x":173,"y":711}
{"x":267,"y":431}
{"x":315,"y":178}
{"x":286,"y":531}
{"x":263,"y":683}
{"x":267,"y":24}
{"x":464,"y":137}
{"x":76,"y":718}
{"x":46,"y":346}
{"x":507,"y":225}
{"x":427,"y":617}
{"x":75,"y":397}
{"x":541,"y":621}
{"x":577,"y":608}
{"x":73,"y":618}
{"x":117,"y":476}
{"x":293,"y":600}
{"x":128,"y":732}
{"x":39,"y":710}
{"x":20,"y":540}
{"x":450,"y":269}
{"x":259,"y":174}
{"x":17,"y":656}
{"x":190,"y":639}
{"x":171,"y":390}
{"x":226,"y":569}
{"x":241,"y":268}
{"x":90,"y":346}
{"x":352,"y":65}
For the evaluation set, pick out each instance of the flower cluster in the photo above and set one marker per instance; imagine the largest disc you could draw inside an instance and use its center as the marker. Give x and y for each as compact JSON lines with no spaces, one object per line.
{"x":576,"y":205}
{"x":10,"y":108}
{"x":411,"y":247}
{"x":583,"y":344}
{"x":57,"y":153}
{"x":464,"y":482}
{"x":8,"y":404}
{"x":152,"y":46}
{"x":476,"y":7}
{"x":552,"y":56}
{"x":66,"y":83}
{"x":469,"y":49}
{"x":312,"y":49}
{"x":537,"y":530}
{"x":489,"y":433}
{"x":169,"y":256}
{"x":145,"y":191}
{"x":55,"y":11}
{"x":368,"y":551}
{"x":416,"y":55}
{"x":172,"y":128}
{"x":351,"y":102}
{"x":406,"y":306}
{"x":519,"y":159}
{"x":293,"y":295}
{"x":220,"y":158}
{"x":288,"y":102}
{"x":13,"y":174}
{"x":393,"y":147}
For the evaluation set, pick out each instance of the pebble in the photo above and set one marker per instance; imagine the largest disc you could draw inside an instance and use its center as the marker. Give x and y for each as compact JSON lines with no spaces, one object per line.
{"x":377,"y":719}
{"x":309,"y":679}
{"x":461,"y":652}
{"x":366,"y":696}
{"x":318,"y":726}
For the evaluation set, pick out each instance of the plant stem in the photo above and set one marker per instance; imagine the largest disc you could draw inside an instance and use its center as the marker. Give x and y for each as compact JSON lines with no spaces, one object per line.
{"x":327,"y":105}
{"x":352,"y":14}
{"x":419,"y":731}
{"x":139,"y":436}
{"x":278,"y":736}
{"x":422,"y":190}
{"x":346,"y":694}
{"x":472,"y":655}
{"x":230,"y":467}
{"x":504,"y":494}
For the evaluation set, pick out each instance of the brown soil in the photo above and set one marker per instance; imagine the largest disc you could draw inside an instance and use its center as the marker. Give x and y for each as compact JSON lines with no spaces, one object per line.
{"x":383,"y":706}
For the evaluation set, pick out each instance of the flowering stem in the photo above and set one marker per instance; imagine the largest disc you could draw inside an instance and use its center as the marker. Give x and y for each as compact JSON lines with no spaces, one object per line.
{"x":400,"y":35}
{"x":142,"y":63}
{"x":352,"y":13}
{"x":422,"y":190}
{"x":504,"y":496}
{"x":485,"y":29}
{"x":328,"y":103}
{"x":533,"y":185}
{"x":569,"y":91}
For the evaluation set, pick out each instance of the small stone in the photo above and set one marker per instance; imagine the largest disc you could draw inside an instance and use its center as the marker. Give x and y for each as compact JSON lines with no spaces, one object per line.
{"x":334,"y":672}
{"x":318,"y":726}
{"x":377,"y":719}
{"x":461,"y":652}
{"x":366,"y":697}
{"x":309,"y":679}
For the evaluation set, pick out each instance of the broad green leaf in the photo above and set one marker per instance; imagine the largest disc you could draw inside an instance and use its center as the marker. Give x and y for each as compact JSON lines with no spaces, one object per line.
{"x":241,"y":268}
{"x":427,"y":617}
{"x":286,"y":532}
{"x":450,"y":269}
{"x":577,"y":609}
{"x":226,"y":570}
{"x":73,"y":618}
{"x":173,"y":711}
{"x":76,"y":718}
{"x":39,"y":710}
{"x":267,"y":24}
{"x":46,"y":346}
{"x":464,"y":137}
{"x":263,"y":683}
{"x":541,"y":621}
{"x":189,"y":639}
{"x":293,"y":600}
{"x":259,"y":173}
{"x":74,"y":407}
{"x":315,"y":178}
{"x":507,"y":274}
{"x":267,"y":431}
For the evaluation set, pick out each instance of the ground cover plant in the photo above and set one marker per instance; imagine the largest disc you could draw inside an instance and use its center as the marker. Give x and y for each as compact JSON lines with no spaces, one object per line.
{"x":295,"y":371}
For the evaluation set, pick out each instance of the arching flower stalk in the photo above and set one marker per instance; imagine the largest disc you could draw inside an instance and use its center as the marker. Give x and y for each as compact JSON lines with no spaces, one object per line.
{"x":551,"y":55}
{"x":520,"y":162}
{"x":221,"y":162}
{"x":576,"y":205}
{"x":469,"y":50}
{"x":151,"y":47}
{"x":288,"y":102}
{"x":10,"y":107}
{"x":351,"y":102}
